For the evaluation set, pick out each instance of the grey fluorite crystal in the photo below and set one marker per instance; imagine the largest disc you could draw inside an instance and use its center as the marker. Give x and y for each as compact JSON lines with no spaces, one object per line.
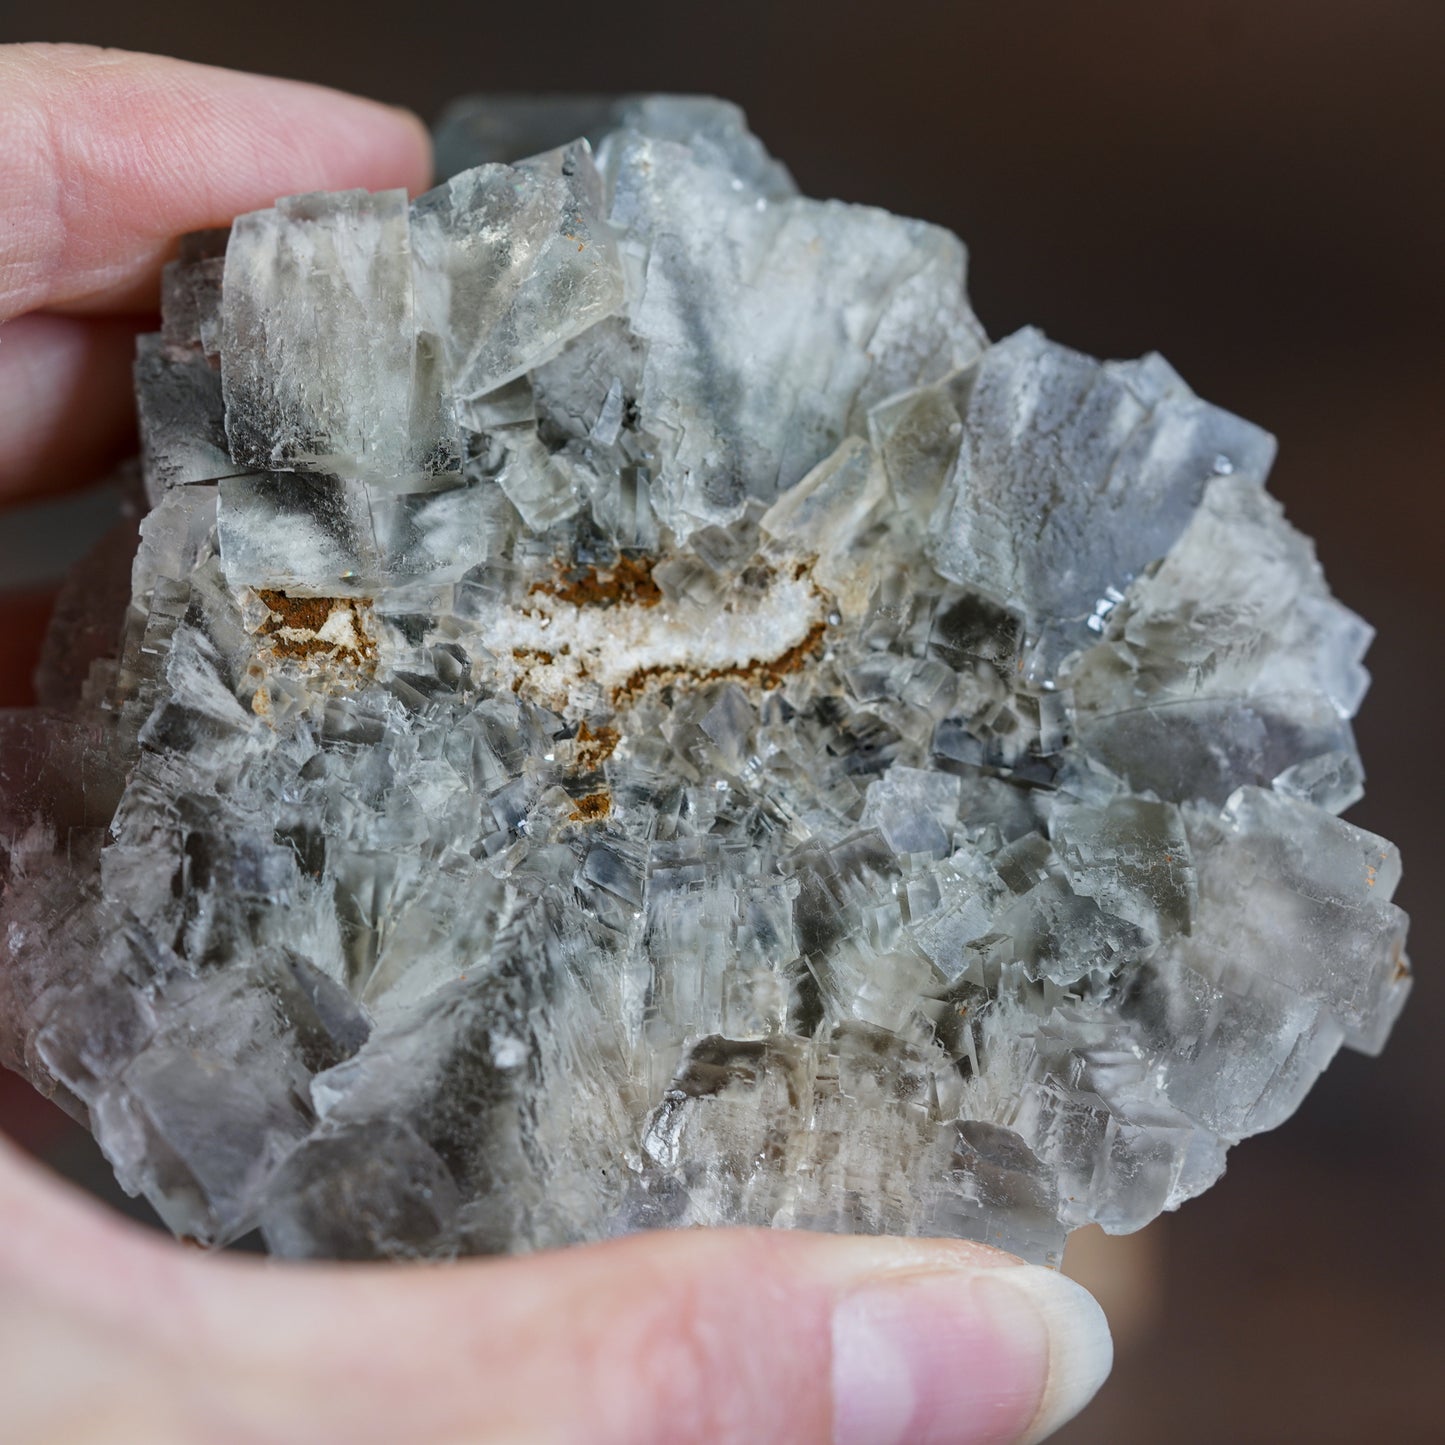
{"x":631,"y":711}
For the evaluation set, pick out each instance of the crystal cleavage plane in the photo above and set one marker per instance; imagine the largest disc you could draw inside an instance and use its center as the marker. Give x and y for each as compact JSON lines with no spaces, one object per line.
{"x":631,"y":711}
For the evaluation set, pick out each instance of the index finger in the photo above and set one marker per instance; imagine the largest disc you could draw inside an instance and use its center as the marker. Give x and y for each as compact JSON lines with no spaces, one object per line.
{"x":107,"y":156}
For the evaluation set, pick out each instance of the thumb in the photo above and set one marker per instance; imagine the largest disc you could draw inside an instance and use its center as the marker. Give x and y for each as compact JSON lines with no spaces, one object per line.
{"x":703,"y":1336}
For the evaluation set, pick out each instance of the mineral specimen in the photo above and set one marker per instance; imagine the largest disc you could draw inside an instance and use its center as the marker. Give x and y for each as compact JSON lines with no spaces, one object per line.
{"x":631,"y":711}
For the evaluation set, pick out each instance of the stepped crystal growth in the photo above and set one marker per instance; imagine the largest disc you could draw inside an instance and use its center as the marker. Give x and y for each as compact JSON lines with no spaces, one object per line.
{"x":632,"y":711}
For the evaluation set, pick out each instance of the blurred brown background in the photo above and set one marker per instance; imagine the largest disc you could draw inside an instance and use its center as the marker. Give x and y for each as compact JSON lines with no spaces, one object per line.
{"x":1254,"y":189}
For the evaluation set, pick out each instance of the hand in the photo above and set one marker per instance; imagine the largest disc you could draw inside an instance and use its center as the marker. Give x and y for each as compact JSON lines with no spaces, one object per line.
{"x":110,"y":1334}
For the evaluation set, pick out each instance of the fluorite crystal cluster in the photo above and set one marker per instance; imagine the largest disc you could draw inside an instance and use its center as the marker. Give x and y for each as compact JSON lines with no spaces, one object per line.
{"x":629,"y":710}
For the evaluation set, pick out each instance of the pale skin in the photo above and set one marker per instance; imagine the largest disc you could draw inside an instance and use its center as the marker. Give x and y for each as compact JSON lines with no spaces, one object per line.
{"x":111,"y":1334}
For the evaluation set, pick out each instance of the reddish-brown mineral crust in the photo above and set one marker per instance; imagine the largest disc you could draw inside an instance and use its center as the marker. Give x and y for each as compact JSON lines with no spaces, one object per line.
{"x":595,"y":746}
{"x":627,"y":582}
{"x":590,"y":807}
{"x":306,"y":616}
{"x":767,"y":673}
{"x":307,"y":613}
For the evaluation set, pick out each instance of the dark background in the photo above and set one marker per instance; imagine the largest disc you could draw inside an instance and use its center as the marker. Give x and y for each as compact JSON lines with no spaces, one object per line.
{"x":1254,"y":189}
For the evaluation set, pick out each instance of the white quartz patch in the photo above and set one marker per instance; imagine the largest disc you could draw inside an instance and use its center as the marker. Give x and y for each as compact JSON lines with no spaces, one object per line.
{"x":595,"y":651}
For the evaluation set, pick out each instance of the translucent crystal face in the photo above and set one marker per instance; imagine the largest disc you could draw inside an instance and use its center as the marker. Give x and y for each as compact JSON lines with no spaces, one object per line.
{"x":632,"y":712}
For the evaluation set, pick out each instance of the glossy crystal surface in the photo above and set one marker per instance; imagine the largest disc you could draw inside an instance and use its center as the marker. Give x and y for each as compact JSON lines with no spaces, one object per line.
{"x":631,"y":711}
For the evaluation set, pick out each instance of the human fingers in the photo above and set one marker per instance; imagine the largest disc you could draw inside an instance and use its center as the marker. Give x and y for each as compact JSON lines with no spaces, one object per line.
{"x":726,"y":1337}
{"x":66,"y":406}
{"x":676,"y":1337}
{"x":107,"y":156}
{"x":24,"y":615}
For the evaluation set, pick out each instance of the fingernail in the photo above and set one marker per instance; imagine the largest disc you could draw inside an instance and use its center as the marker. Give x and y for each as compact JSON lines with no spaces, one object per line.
{"x":965,"y":1357}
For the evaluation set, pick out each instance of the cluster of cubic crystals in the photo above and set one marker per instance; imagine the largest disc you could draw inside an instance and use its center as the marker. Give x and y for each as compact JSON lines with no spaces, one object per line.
{"x":630,"y":711}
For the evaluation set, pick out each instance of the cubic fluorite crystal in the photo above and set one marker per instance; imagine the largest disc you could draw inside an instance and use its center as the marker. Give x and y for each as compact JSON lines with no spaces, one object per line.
{"x":631,"y":711}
